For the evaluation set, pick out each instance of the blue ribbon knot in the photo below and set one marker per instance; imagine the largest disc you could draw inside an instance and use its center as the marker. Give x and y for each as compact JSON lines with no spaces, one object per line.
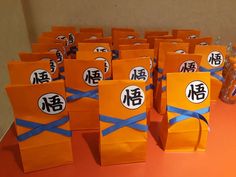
{"x":77,"y":94}
{"x":61,"y":69}
{"x":38,"y":128}
{"x":120,"y":123}
{"x":151,"y":74}
{"x":159,"y":70}
{"x":115,"y":54}
{"x":150,"y":86}
{"x":213,"y":72}
{"x":186,"y":114}
{"x":161,"y":79}
{"x":73,"y":50}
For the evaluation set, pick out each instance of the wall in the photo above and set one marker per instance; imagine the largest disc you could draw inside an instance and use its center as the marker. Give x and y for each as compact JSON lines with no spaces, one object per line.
{"x":21,"y":25}
{"x":14,"y":38}
{"x":213,"y":17}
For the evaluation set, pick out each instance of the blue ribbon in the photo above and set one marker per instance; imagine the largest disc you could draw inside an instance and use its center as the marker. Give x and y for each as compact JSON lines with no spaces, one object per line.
{"x":150,"y":86}
{"x":109,"y":78}
{"x":163,"y":89}
{"x":55,"y":79}
{"x":115,"y":54}
{"x":62,"y":77}
{"x":161,"y":79}
{"x":120,"y":123}
{"x":61,"y":69}
{"x":38,"y":128}
{"x":151,"y":74}
{"x":72,"y":50}
{"x":213,"y":72}
{"x":77,"y":94}
{"x":160,"y":70}
{"x":186,"y":114}
{"x":155,"y":60}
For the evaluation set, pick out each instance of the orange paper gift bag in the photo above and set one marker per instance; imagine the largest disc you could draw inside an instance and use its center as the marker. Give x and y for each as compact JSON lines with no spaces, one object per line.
{"x":164,"y":48}
{"x":155,"y":33}
{"x":89,"y":35}
{"x":116,"y":35}
{"x":198,"y":41}
{"x":104,"y":56}
{"x":61,"y":35}
{"x":185,"y":125}
{"x":52,"y":57}
{"x":122,"y":111}
{"x":136,"y":41}
{"x":70,"y":39}
{"x":47,"y":39}
{"x":186,"y":34}
{"x":107,"y":39}
{"x":174,"y":63}
{"x":133,"y":46}
{"x":42,"y":124}
{"x":151,"y":39}
{"x":158,"y":41}
{"x":213,"y":58}
{"x":56,"y":48}
{"x":81,"y":78}
{"x":94,"y":47}
{"x":135,"y":69}
{"x":29,"y":72}
{"x":125,"y":54}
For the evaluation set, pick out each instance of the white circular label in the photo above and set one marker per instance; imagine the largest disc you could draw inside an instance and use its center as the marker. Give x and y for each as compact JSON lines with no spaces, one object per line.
{"x":51,"y":103}
{"x":192,"y":36}
{"x":71,"y":38}
{"x":53,"y":65}
{"x":106,"y":63}
{"x":130,"y":37}
{"x":196,"y":91}
{"x":180,"y":51}
{"x":215,"y":58}
{"x":63,"y":38}
{"x":132,"y":97}
{"x":203,"y":43}
{"x":93,"y":37}
{"x":92,"y":76}
{"x":59,"y":55}
{"x":188,"y":66}
{"x":40,"y":76}
{"x":138,"y":73}
{"x":151,"y":65}
{"x":100,"y":49}
{"x":234,"y":91}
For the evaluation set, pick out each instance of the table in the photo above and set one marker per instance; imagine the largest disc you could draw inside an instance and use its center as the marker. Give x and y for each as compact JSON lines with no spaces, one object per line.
{"x":217,"y":161}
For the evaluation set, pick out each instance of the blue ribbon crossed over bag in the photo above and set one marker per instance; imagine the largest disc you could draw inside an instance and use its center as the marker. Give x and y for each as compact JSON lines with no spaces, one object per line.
{"x":38,"y":128}
{"x":77,"y":94}
{"x":213,"y":72}
{"x":120,"y":123}
{"x":186,"y":114}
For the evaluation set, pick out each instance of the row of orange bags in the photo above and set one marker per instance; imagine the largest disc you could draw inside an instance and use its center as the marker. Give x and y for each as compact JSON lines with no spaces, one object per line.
{"x":46,"y":110}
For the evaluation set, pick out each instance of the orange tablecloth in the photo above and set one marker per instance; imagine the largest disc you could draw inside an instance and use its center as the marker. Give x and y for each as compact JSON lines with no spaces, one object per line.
{"x":218,"y":161}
